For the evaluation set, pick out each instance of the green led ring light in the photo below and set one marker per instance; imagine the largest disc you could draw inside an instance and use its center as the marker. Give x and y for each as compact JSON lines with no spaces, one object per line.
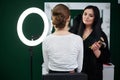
{"x":20,"y":23}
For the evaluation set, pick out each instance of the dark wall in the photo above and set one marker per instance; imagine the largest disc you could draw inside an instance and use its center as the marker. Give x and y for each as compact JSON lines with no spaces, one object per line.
{"x":115,"y":37}
{"x":15,"y":56}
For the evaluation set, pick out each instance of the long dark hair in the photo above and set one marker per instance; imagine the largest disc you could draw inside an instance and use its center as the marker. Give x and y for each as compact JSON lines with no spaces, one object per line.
{"x":96,"y":24}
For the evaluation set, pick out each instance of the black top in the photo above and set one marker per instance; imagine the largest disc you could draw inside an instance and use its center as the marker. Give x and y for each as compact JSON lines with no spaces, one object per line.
{"x":90,"y":60}
{"x":91,"y":64}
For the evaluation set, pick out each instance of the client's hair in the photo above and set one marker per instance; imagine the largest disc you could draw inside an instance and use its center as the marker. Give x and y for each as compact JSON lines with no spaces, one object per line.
{"x":61,"y":13}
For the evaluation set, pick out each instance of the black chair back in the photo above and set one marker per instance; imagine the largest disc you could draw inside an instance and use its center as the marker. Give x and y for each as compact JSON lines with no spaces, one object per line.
{"x":65,"y":76}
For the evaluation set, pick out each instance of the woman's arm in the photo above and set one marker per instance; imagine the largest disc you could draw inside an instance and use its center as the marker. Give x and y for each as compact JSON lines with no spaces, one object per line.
{"x":80,"y":56}
{"x":101,"y":51}
{"x":45,"y":59}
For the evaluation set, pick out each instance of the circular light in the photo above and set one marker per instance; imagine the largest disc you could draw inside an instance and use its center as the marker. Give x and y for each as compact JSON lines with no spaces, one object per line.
{"x":20,"y":23}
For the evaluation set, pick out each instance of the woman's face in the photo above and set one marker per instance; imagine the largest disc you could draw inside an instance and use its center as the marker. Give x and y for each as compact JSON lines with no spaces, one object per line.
{"x":88,"y":17}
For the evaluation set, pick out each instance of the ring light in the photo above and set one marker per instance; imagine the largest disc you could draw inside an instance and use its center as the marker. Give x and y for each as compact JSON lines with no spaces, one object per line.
{"x":20,"y":23}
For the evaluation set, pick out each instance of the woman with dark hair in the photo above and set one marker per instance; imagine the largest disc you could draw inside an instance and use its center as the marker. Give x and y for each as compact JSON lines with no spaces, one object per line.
{"x":62,"y":50}
{"x":96,"y":51}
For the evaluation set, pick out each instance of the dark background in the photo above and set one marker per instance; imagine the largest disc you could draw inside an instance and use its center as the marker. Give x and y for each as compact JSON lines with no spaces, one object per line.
{"x":15,"y":56}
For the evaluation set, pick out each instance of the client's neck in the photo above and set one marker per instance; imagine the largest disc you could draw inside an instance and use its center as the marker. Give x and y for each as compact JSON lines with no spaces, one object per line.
{"x":63,"y":31}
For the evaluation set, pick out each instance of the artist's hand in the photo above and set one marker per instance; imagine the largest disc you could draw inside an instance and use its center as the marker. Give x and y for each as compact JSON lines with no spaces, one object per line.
{"x":96,"y":48}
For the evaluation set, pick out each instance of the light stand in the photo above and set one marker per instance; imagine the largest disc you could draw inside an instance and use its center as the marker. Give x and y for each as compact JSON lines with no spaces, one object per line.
{"x":31,"y":56}
{"x":31,"y":62}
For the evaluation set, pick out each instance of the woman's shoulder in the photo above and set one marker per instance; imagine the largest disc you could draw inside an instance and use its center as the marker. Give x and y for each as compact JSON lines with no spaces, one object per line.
{"x":103,"y":34}
{"x":76,"y":37}
{"x":47,"y":37}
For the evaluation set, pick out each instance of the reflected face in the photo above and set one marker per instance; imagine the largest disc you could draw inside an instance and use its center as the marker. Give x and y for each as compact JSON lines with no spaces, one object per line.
{"x":88,"y":17}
